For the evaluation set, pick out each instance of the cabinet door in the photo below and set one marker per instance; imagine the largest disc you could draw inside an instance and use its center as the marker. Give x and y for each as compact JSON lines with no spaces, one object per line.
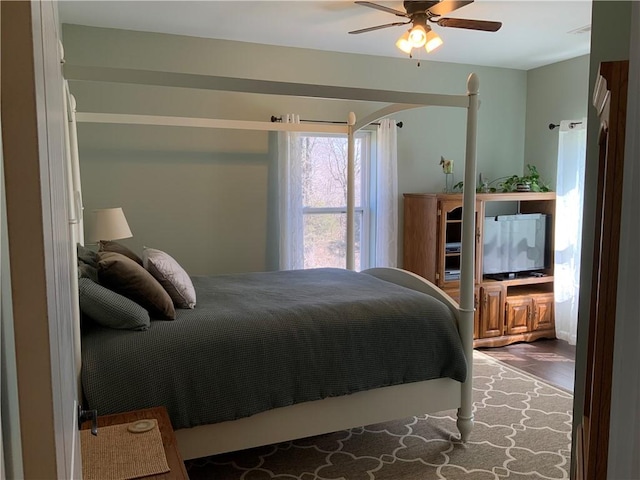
{"x":543,"y":313}
{"x":449,"y":243}
{"x":491,"y":311}
{"x":476,"y":313}
{"x":420,"y":227}
{"x":518,"y":314}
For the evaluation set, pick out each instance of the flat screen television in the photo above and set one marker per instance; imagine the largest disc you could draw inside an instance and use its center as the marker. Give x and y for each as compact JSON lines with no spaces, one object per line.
{"x":516,"y":244}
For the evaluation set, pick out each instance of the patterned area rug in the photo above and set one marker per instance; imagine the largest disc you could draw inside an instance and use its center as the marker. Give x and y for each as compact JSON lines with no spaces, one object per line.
{"x":522,"y":431}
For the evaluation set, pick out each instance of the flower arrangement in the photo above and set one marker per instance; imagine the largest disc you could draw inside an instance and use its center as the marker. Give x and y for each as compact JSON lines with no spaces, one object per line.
{"x":447,"y":165}
{"x":447,"y":169}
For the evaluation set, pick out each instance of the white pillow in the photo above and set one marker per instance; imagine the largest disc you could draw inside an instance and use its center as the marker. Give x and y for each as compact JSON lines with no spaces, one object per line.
{"x":171,"y":276}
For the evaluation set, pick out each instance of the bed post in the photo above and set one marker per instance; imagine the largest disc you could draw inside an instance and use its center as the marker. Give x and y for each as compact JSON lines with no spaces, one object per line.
{"x":465,"y":412}
{"x":350,"y":191}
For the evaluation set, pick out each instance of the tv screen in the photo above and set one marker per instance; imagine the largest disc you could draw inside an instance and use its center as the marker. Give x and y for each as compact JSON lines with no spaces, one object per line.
{"x":516,"y":243}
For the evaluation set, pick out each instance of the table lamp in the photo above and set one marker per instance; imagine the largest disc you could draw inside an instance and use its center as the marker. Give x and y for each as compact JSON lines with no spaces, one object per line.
{"x":109,"y":224}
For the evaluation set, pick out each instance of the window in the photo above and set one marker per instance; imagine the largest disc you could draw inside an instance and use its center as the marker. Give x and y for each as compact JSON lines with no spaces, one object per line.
{"x":324,"y":192}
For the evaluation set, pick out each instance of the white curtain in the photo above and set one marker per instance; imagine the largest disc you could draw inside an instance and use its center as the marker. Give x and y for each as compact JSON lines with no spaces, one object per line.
{"x":568,"y":226}
{"x":386,"y":242}
{"x":290,"y":201}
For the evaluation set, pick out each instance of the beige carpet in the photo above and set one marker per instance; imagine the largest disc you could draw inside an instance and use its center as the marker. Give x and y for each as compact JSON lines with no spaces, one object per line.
{"x":522,"y":431}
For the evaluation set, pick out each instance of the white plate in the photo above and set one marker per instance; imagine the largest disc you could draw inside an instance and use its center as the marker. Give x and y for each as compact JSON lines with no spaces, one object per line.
{"x":141,"y":426}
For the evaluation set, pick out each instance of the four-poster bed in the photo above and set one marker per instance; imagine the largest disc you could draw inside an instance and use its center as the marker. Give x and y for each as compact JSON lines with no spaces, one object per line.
{"x":363,"y":407}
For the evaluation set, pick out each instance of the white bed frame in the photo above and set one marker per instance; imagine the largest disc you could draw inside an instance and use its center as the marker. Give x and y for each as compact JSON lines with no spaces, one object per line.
{"x":363,"y":408}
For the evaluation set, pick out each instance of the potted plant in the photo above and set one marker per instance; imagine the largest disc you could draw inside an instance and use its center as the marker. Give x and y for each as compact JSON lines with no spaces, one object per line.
{"x":530,"y":182}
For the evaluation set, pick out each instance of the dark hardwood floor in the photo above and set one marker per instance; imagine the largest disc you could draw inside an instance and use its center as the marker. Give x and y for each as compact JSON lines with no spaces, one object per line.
{"x":550,"y":360}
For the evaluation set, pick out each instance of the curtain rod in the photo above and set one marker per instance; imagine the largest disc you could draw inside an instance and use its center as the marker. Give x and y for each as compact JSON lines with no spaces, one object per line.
{"x":571,"y":125}
{"x":279,"y":119}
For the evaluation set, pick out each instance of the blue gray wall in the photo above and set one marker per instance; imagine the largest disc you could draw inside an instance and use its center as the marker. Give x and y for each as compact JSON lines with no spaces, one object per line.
{"x":517,"y":106}
{"x":554,"y":93}
{"x":201,"y":195}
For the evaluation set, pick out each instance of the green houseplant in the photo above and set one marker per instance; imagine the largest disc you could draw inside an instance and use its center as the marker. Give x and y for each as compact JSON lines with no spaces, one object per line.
{"x":529,"y":182}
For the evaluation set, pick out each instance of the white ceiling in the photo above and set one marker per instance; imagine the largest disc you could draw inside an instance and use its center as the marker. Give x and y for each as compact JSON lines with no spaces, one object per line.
{"x":534,"y":32}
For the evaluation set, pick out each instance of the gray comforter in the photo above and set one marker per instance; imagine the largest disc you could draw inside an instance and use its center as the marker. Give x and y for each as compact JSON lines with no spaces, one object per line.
{"x":258,"y":341}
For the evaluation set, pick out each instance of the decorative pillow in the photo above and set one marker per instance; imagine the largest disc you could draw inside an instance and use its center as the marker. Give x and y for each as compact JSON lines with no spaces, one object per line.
{"x":109,"y":308}
{"x":110,"y":246}
{"x":87,"y":256}
{"x":87,"y":271}
{"x":123,"y":275}
{"x":171,"y":276}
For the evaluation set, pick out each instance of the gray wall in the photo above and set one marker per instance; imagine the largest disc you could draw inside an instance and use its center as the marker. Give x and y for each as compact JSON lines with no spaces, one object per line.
{"x":554,"y":92}
{"x":202,"y":195}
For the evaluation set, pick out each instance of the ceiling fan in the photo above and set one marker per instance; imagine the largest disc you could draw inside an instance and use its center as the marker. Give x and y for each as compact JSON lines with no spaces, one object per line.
{"x":418,"y":13}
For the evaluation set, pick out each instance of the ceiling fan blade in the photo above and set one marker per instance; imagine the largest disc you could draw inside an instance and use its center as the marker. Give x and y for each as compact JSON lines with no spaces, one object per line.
{"x":383,"y":8}
{"x":484,"y":25}
{"x":378,"y":27}
{"x":447,"y":6}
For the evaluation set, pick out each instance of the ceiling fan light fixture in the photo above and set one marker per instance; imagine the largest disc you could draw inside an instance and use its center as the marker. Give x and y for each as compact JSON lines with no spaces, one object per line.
{"x":418,"y":36}
{"x":419,"y":14}
{"x":433,"y":41}
{"x":404,"y":44}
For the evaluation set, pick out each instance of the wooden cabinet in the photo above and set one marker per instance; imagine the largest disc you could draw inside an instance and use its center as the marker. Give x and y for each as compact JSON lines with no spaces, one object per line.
{"x":421,"y":234}
{"x":476,"y":313}
{"x":543,"y":312}
{"x":491,"y":309}
{"x":433,"y":236}
{"x":515,"y":309}
{"x":530,"y":313}
{"x":448,"y":251}
{"x":518,"y":315}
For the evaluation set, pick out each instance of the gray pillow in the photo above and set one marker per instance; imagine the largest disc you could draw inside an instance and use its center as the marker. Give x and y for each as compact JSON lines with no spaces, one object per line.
{"x":109,"y":308}
{"x":87,"y":271}
{"x":87,"y":256}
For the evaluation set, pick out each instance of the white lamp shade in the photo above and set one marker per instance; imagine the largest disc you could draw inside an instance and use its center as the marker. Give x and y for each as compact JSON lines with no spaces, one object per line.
{"x":404,"y":44}
{"x":433,"y":41}
{"x":109,"y":224}
{"x":418,"y":36}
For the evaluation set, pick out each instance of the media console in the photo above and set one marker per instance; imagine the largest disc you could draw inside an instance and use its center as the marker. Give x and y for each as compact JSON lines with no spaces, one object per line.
{"x":509,"y":306}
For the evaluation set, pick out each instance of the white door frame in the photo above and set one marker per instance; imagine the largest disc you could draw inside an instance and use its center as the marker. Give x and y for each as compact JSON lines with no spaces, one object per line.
{"x":40,"y":247}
